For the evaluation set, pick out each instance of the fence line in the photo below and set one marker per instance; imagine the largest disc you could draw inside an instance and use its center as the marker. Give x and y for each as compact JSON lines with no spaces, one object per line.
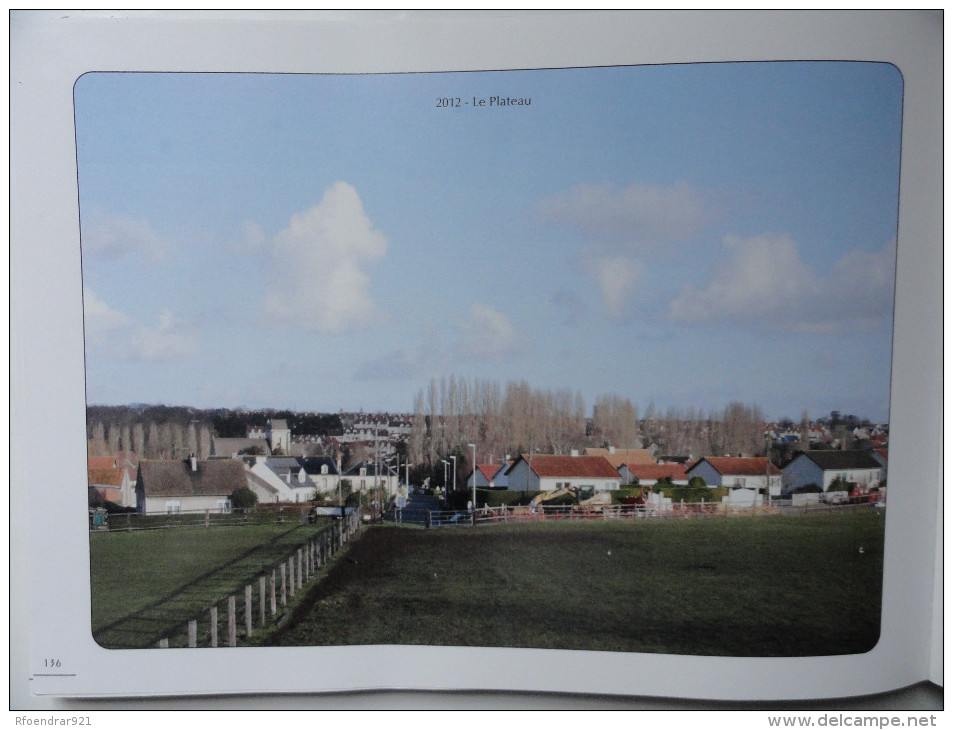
{"x":289,"y":512}
{"x":292,"y":573}
{"x":677,"y":510}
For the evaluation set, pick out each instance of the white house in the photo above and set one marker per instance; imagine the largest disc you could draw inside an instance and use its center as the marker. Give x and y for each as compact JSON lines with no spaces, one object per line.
{"x":369,"y":475}
{"x":168,"y":487}
{"x":284,"y":478}
{"x":279,"y":435}
{"x":489,"y":476}
{"x":323,"y":471}
{"x":649,"y":474}
{"x":546,"y":472}
{"x":823,"y":467}
{"x":738,"y":472}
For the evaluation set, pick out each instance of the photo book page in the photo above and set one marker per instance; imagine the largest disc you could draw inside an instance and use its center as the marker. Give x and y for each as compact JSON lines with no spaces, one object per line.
{"x":586,"y":353}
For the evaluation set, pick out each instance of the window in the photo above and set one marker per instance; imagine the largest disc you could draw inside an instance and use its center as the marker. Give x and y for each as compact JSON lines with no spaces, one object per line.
{"x":324,"y":468}
{"x":739,"y":481}
{"x":224,"y":506}
{"x":173,"y":507}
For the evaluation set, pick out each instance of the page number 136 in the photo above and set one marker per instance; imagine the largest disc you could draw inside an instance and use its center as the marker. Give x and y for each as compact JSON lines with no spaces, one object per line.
{"x":52,"y":663}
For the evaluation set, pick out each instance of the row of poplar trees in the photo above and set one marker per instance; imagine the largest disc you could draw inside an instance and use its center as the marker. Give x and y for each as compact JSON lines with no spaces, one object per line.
{"x":516,"y":418}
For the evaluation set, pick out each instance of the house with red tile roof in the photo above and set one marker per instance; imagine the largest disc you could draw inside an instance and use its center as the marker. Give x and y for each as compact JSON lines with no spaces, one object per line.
{"x":648,"y":474}
{"x":738,"y":472}
{"x":490,"y":476}
{"x":110,"y":481}
{"x":546,"y":472}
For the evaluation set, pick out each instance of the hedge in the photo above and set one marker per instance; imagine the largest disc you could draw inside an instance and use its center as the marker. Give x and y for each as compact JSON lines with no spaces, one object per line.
{"x":694,"y":494}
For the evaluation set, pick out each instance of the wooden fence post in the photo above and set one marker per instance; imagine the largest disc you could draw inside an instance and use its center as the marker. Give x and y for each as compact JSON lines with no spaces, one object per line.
{"x":213,"y":626}
{"x":163,"y":643}
{"x":193,"y":634}
{"x":284,"y":585}
{"x":248,"y":610}
{"x":300,"y":566}
{"x":232,"y":629}
{"x":261,"y":601}
{"x":291,"y":575}
{"x":274,"y":602}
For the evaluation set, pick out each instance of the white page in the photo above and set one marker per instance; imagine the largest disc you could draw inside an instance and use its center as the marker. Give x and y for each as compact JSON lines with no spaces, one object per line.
{"x":49,"y":51}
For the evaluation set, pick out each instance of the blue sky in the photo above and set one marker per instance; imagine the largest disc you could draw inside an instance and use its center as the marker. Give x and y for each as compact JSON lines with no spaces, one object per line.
{"x":678,"y":235}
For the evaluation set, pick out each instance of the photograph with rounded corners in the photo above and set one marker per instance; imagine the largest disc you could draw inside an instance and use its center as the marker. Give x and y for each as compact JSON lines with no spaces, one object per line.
{"x":587,"y":358}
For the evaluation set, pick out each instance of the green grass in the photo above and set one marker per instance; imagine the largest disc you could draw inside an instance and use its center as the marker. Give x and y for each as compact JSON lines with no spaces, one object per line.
{"x":146,"y":583}
{"x":765,"y":586}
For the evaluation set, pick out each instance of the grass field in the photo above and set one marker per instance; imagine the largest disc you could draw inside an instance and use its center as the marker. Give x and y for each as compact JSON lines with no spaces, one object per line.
{"x":146,"y":582}
{"x":758,"y":586}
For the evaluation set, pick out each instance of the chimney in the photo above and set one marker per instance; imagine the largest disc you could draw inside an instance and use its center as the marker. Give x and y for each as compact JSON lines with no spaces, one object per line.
{"x":574,"y":452}
{"x":612,"y":449}
{"x":193,"y":462}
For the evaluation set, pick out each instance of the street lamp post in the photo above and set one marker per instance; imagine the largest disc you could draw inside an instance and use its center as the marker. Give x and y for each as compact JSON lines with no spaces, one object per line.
{"x":473,"y":448}
{"x":454,"y":473}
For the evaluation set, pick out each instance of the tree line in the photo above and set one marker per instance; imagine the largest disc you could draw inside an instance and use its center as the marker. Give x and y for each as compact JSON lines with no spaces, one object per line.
{"x":174,"y":432}
{"x":515,"y":418}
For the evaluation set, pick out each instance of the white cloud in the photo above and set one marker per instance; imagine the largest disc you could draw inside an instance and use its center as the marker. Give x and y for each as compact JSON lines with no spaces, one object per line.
{"x":488,"y":334}
{"x":172,"y":339}
{"x":118,"y":335}
{"x":639,"y":217}
{"x":118,"y":235}
{"x":764,"y":283}
{"x":624,"y":227}
{"x":317,"y":279}
{"x":617,"y":277}
{"x":103,"y":324}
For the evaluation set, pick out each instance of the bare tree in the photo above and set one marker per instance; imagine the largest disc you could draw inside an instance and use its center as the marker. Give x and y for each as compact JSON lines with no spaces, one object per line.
{"x":97,"y":440}
{"x":804,"y":442}
{"x":138,"y":440}
{"x":205,"y":442}
{"x":112,"y":439}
